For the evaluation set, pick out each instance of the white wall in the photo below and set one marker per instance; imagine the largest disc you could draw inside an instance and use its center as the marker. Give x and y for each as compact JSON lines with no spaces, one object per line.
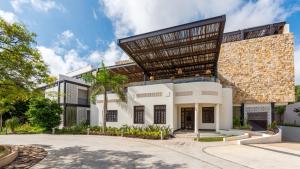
{"x":164,"y":94}
{"x":226,"y":114}
{"x":197,"y":88}
{"x":290,"y":116}
{"x":94,"y":116}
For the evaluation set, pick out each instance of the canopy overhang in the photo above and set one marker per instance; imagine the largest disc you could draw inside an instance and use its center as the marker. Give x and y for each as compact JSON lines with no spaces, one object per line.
{"x":182,"y":51}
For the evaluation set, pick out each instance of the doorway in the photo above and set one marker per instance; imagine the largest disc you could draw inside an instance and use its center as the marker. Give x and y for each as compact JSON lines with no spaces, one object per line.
{"x":188,"y":118}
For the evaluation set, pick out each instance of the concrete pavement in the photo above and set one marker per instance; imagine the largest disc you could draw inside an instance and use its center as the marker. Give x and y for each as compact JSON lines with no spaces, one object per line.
{"x":81,"y":151}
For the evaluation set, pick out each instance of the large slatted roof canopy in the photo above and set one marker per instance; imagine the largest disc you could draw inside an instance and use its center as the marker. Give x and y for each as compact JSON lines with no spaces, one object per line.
{"x":182,"y":51}
{"x":133,"y":72}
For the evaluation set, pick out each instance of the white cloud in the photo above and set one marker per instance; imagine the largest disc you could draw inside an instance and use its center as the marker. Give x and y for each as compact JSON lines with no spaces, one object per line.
{"x":65,"y":37}
{"x":61,"y":64}
{"x":67,"y":34}
{"x":110,"y":56}
{"x":135,"y":16}
{"x":8,"y":16}
{"x":297,"y":65}
{"x":67,"y":40}
{"x":40,"y":5}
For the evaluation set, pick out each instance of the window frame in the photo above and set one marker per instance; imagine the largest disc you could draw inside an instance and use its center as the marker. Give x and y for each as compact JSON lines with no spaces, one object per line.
{"x":111,"y":117}
{"x":205,"y":115}
{"x":138,"y":115}
{"x":160,"y":114}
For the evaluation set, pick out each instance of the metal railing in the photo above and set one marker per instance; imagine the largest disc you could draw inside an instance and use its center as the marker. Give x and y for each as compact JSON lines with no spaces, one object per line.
{"x":255,"y":32}
{"x":181,"y":80}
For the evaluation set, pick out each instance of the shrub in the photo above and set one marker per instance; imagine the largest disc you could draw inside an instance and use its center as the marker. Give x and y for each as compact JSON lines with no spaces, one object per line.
{"x":78,"y":129}
{"x":12,"y":124}
{"x":245,"y":127}
{"x":273,"y":127}
{"x":29,"y":129}
{"x":44,"y":113}
{"x":236,"y":122}
{"x":146,"y":132}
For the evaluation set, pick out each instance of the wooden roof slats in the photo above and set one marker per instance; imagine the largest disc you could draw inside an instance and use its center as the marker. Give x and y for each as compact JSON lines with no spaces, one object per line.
{"x":160,"y":53}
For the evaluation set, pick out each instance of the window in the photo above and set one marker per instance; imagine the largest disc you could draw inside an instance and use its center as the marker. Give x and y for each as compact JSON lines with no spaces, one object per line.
{"x":82,"y":97}
{"x":138,"y":114}
{"x":159,"y":114}
{"x":112,"y":116}
{"x":208,"y":115}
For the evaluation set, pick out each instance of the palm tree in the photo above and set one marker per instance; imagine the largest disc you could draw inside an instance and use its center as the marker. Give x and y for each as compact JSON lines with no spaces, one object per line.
{"x":104,"y":81}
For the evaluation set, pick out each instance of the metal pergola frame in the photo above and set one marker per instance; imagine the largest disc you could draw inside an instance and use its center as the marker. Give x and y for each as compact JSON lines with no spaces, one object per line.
{"x":254,"y":32}
{"x":192,"y":48}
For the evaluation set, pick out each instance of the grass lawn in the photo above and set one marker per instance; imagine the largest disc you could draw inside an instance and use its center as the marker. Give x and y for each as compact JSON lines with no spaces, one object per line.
{"x":209,"y":139}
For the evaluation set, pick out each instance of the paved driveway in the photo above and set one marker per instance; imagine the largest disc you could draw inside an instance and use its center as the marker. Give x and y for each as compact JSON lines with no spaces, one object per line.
{"x":75,"y":151}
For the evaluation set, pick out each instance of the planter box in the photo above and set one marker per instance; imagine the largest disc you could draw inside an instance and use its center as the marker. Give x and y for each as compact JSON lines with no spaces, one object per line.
{"x":8,"y":158}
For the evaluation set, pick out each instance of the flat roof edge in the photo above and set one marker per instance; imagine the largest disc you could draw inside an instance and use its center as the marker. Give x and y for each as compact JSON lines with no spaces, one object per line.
{"x":220,"y":18}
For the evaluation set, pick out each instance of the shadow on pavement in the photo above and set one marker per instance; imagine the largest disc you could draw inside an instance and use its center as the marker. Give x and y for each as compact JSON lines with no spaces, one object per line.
{"x":80,"y":157}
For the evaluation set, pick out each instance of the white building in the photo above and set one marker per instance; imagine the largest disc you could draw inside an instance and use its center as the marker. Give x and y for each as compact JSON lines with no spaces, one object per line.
{"x":192,"y":77}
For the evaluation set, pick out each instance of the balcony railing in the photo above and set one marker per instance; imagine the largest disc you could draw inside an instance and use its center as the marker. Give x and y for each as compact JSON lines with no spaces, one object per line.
{"x":181,"y":80}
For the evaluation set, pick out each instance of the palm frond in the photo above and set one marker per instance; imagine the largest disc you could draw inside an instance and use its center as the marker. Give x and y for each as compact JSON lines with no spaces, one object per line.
{"x":96,"y":92}
{"x":117,"y":85}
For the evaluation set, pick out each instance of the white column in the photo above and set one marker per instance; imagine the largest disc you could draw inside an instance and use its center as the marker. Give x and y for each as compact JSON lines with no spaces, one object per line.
{"x":217,"y":114}
{"x":196,"y":117}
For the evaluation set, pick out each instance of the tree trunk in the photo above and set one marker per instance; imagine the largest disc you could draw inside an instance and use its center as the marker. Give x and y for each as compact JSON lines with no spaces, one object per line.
{"x":0,"y":122}
{"x":104,"y":110}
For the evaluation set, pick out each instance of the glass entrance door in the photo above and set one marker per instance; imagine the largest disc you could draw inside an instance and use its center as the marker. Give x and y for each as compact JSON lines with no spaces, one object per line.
{"x":187,"y":118}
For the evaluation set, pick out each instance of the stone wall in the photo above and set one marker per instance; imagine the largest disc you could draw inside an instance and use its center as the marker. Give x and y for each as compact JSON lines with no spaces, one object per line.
{"x":259,"y":70}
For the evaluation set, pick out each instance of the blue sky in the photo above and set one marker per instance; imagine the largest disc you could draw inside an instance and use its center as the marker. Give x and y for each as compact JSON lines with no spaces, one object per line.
{"x":75,"y":33}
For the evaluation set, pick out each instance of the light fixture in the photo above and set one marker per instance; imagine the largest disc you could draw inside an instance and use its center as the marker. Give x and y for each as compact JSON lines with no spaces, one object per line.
{"x":208,"y":72}
{"x":179,"y":71}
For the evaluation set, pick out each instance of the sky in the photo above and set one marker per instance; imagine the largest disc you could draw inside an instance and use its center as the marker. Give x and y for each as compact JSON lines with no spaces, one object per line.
{"x":74,"y":33}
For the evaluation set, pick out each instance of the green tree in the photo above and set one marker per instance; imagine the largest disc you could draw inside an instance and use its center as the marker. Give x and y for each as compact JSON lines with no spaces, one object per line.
{"x":12,"y":123}
{"x":44,"y":113}
{"x":280,"y":111}
{"x":104,"y":81}
{"x":5,"y":106}
{"x":19,"y":109}
{"x":21,"y":66}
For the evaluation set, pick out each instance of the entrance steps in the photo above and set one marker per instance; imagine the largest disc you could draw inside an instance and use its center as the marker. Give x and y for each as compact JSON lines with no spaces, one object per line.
{"x":191,"y":134}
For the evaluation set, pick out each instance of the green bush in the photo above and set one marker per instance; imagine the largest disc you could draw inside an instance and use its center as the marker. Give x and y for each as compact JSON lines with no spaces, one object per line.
{"x":29,"y":129}
{"x":245,"y":127}
{"x":44,"y":113}
{"x":147,"y":132}
{"x":236,"y":122}
{"x":12,"y":124}
{"x":273,"y":126}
